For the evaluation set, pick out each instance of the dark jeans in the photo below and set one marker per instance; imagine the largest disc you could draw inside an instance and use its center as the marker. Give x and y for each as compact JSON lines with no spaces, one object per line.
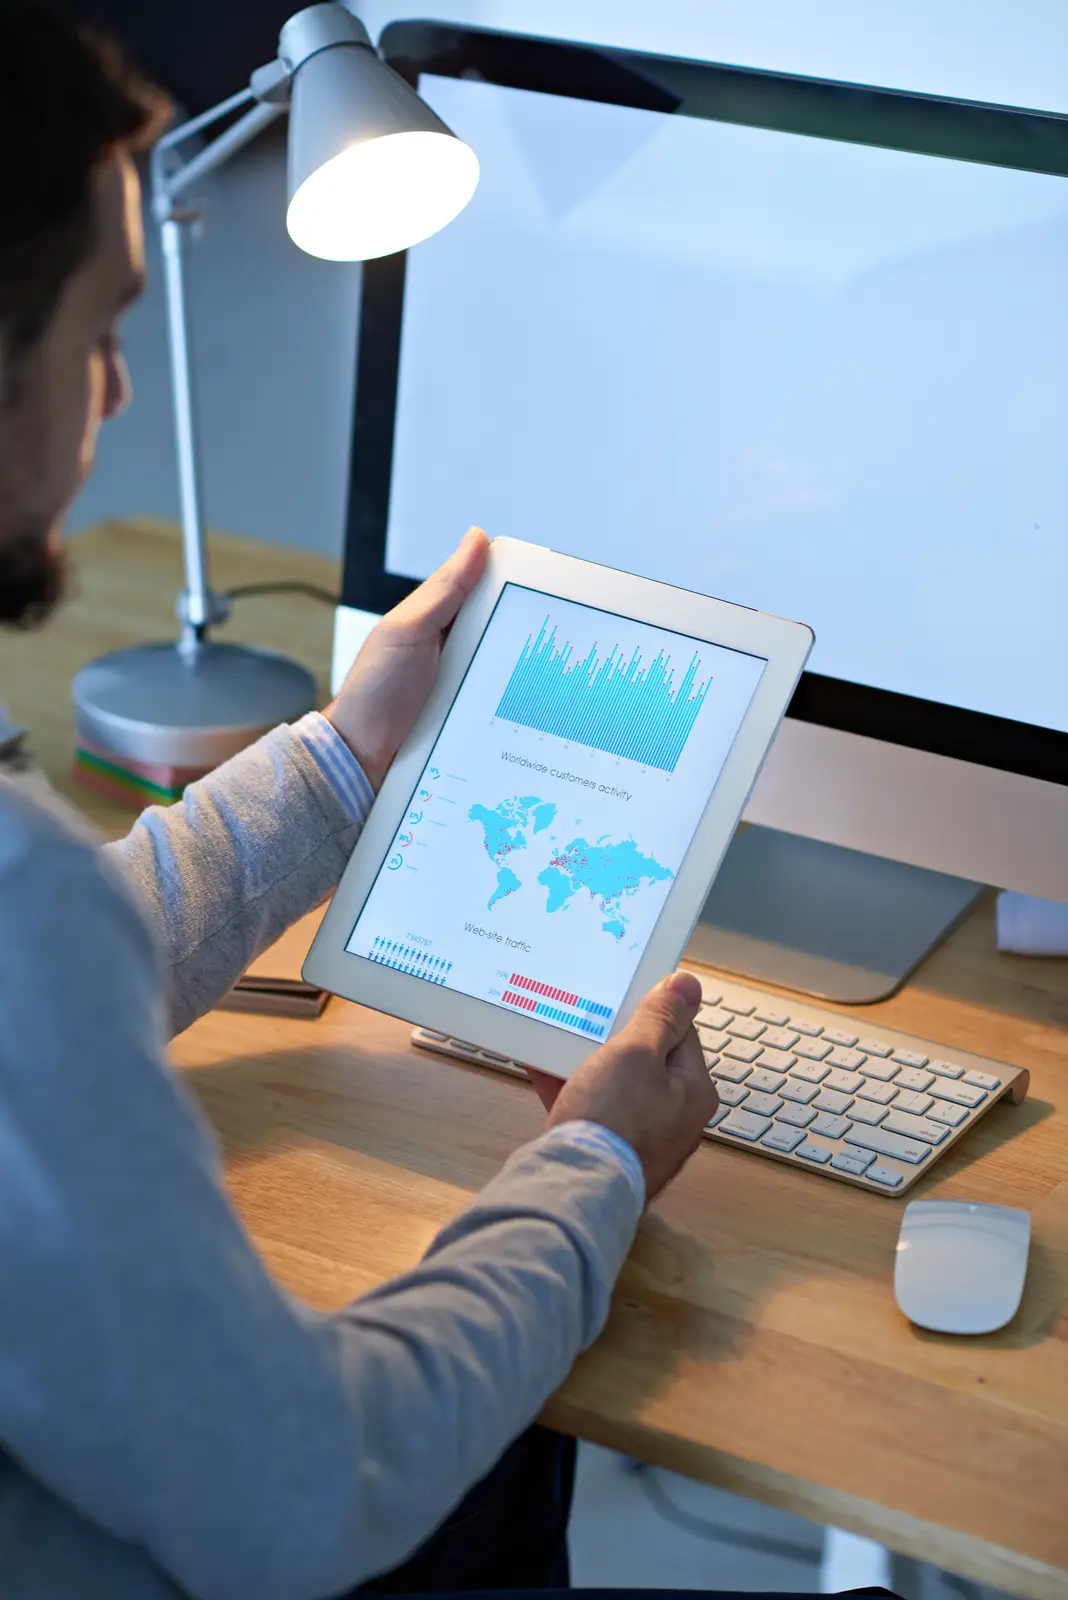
{"x":510,"y":1532}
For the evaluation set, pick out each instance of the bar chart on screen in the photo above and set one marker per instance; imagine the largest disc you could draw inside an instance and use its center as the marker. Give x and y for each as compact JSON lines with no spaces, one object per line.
{"x":620,"y":703}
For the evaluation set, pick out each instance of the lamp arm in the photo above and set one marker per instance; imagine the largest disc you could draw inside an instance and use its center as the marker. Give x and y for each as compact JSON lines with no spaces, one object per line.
{"x":199,"y":606}
{"x":171,"y":177}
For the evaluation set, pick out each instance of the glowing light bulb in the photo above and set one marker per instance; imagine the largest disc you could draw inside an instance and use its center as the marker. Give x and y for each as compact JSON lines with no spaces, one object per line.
{"x":382,"y":194}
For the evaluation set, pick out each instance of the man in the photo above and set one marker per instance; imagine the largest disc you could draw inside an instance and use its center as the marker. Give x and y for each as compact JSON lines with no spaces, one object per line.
{"x":170,"y":1422}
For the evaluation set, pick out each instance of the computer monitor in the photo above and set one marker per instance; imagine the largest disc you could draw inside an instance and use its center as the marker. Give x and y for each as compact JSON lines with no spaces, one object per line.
{"x":797,"y":343}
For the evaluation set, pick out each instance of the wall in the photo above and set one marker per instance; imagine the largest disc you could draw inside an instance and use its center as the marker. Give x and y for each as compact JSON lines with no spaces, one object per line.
{"x":276,"y":331}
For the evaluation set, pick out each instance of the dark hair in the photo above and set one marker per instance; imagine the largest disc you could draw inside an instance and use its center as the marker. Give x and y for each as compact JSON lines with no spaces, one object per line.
{"x":68,"y":99}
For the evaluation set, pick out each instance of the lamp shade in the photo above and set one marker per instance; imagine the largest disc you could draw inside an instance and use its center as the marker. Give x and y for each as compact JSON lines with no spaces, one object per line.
{"x":372,"y":169}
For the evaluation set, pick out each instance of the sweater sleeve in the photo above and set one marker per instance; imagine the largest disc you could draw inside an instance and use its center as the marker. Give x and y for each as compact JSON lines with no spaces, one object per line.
{"x":248,"y":850}
{"x":153,"y":1374}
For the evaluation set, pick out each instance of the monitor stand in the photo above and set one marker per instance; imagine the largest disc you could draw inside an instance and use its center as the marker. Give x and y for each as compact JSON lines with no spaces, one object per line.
{"x":834,"y":923}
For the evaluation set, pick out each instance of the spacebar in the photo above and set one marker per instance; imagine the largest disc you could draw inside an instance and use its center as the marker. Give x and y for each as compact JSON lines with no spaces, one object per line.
{"x":888,"y":1144}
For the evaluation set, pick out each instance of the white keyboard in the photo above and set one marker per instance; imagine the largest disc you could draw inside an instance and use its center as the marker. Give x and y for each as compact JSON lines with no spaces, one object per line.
{"x":823,"y":1091}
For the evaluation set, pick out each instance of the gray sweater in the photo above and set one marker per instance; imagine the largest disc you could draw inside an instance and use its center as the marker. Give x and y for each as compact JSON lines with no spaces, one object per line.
{"x":170,"y":1421}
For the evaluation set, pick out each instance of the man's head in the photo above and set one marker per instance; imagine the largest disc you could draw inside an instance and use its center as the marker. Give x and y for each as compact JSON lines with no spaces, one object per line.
{"x":71,"y":262}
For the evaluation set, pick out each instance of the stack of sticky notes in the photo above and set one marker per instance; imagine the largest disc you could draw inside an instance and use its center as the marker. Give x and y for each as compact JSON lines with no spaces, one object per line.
{"x":137,"y":783}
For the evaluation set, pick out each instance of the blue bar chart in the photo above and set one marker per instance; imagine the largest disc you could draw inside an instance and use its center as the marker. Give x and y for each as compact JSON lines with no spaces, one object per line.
{"x":607,"y":702}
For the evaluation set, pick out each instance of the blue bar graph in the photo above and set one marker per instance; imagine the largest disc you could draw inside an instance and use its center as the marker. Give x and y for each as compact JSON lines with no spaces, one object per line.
{"x":608,"y":702}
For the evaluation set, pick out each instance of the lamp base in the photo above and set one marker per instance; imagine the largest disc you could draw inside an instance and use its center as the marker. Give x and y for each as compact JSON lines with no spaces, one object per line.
{"x":157,"y":705}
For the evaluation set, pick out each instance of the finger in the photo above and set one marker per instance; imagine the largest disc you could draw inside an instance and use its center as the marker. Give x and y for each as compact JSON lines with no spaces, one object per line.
{"x":546,"y":1087}
{"x":667,"y":1012}
{"x":435,"y":603}
{"x":687,"y":1055}
{"x":688,"y":1061}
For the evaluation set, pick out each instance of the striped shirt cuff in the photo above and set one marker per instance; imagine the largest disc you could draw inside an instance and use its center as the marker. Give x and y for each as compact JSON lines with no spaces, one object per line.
{"x":338,"y":765}
{"x":592,"y":1136}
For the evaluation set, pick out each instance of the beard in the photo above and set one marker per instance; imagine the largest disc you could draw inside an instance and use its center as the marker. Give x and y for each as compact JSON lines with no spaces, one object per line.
{"x":33,"y":577}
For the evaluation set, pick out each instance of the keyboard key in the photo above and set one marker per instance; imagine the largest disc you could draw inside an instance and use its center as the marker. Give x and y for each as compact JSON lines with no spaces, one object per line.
{"x":812,"y":1050}
{"x":800,"y":1093}
{"x":867,"y":1111}
{"x":711,"y":1059}
{"x":909,"y":1058}
{"x":744,"y":1126}
{"x":777,"y":1019}
{"x":914,"y":1127}
{"x":952,"y":1116}
{"x":777,"y":1060}
{"x":765,"y":1105}
{"x":982,"y":1080}
{"x":731,"y":1094}
{"x":813,"y":1152}
{"x":831,"y":1127}
{"x":785,"y":1139}
{"x":796,"y":1116}
{"x":945,"y":1069}
{"x":847,"y":1060}
{"x":837,"y":1036}
{"x":886,"y":1144}
{"x":713,"y":1019}
{"x":809,"y":1071}
{"x":885,"y":1176}
{"x":881,"y":1093}
{"x":780,"y":1038}
{"x":883,"y":1070}
{"x":907,"y":1100}
{"x":844,"y":1082}
{"x":709,"y":995}
{"x":958,"y":1094}
{"x":875,"y":1047}
{"x":745,"y":1028}
{"x":913,"y":1078}
{"x":741,"y":1051}
{"x":831,"y":1100}
{"x":717,"y":1116}
{"x":732,"y":1071}
{"x":741,"y":1008}
{"x":804,"y":1025}
{"x":767,"y":1082}
{"x":855,"y":1162}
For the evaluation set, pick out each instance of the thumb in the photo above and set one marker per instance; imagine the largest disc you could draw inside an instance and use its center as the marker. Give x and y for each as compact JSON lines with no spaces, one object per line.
{"x":666,"y":1014}
{"x":435,"y":603}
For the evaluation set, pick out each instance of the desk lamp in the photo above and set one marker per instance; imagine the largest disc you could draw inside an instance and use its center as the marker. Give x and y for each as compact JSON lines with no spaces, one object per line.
{"x":372,"y":170}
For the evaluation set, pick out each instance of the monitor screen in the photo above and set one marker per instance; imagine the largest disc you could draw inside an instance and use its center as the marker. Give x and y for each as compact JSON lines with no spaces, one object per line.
{"x":555,"y":809}
{"x":823,"y":379}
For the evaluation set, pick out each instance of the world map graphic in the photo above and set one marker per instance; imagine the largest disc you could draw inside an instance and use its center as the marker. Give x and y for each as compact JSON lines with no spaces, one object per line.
{"x":609,"y":870}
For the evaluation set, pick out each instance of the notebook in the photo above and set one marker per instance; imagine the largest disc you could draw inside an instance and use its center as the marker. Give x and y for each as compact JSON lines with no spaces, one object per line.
{"x":273,"y":986}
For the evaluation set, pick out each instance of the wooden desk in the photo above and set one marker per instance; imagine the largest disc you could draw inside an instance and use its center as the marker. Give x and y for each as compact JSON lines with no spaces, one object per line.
{"x":754,"y":1341}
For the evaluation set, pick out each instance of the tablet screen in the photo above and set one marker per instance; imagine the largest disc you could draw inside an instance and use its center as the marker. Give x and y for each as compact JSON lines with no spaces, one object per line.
{"x":559,"y":800}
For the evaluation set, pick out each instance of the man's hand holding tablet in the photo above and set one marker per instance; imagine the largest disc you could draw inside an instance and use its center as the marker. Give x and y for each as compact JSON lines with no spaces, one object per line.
{"x":388,"y":683}
{"x":648,"y":1084}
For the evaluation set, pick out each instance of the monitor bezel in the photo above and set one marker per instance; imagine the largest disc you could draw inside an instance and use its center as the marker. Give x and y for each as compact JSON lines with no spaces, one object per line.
{"x":1035,"y":141}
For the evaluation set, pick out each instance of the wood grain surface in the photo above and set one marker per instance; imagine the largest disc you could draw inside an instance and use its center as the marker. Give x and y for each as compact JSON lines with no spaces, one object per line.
{"x":754,"y":1341}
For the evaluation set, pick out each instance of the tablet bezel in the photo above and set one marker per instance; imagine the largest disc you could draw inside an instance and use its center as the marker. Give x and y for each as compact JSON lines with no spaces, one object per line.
{"x":785,"y":647}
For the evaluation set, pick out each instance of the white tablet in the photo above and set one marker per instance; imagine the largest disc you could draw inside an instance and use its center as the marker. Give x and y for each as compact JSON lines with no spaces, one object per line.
{"x":546,"y":837}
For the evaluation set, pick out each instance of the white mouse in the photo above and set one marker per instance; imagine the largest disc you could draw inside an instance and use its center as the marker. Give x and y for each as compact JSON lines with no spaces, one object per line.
{"x":960,"y":1265}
